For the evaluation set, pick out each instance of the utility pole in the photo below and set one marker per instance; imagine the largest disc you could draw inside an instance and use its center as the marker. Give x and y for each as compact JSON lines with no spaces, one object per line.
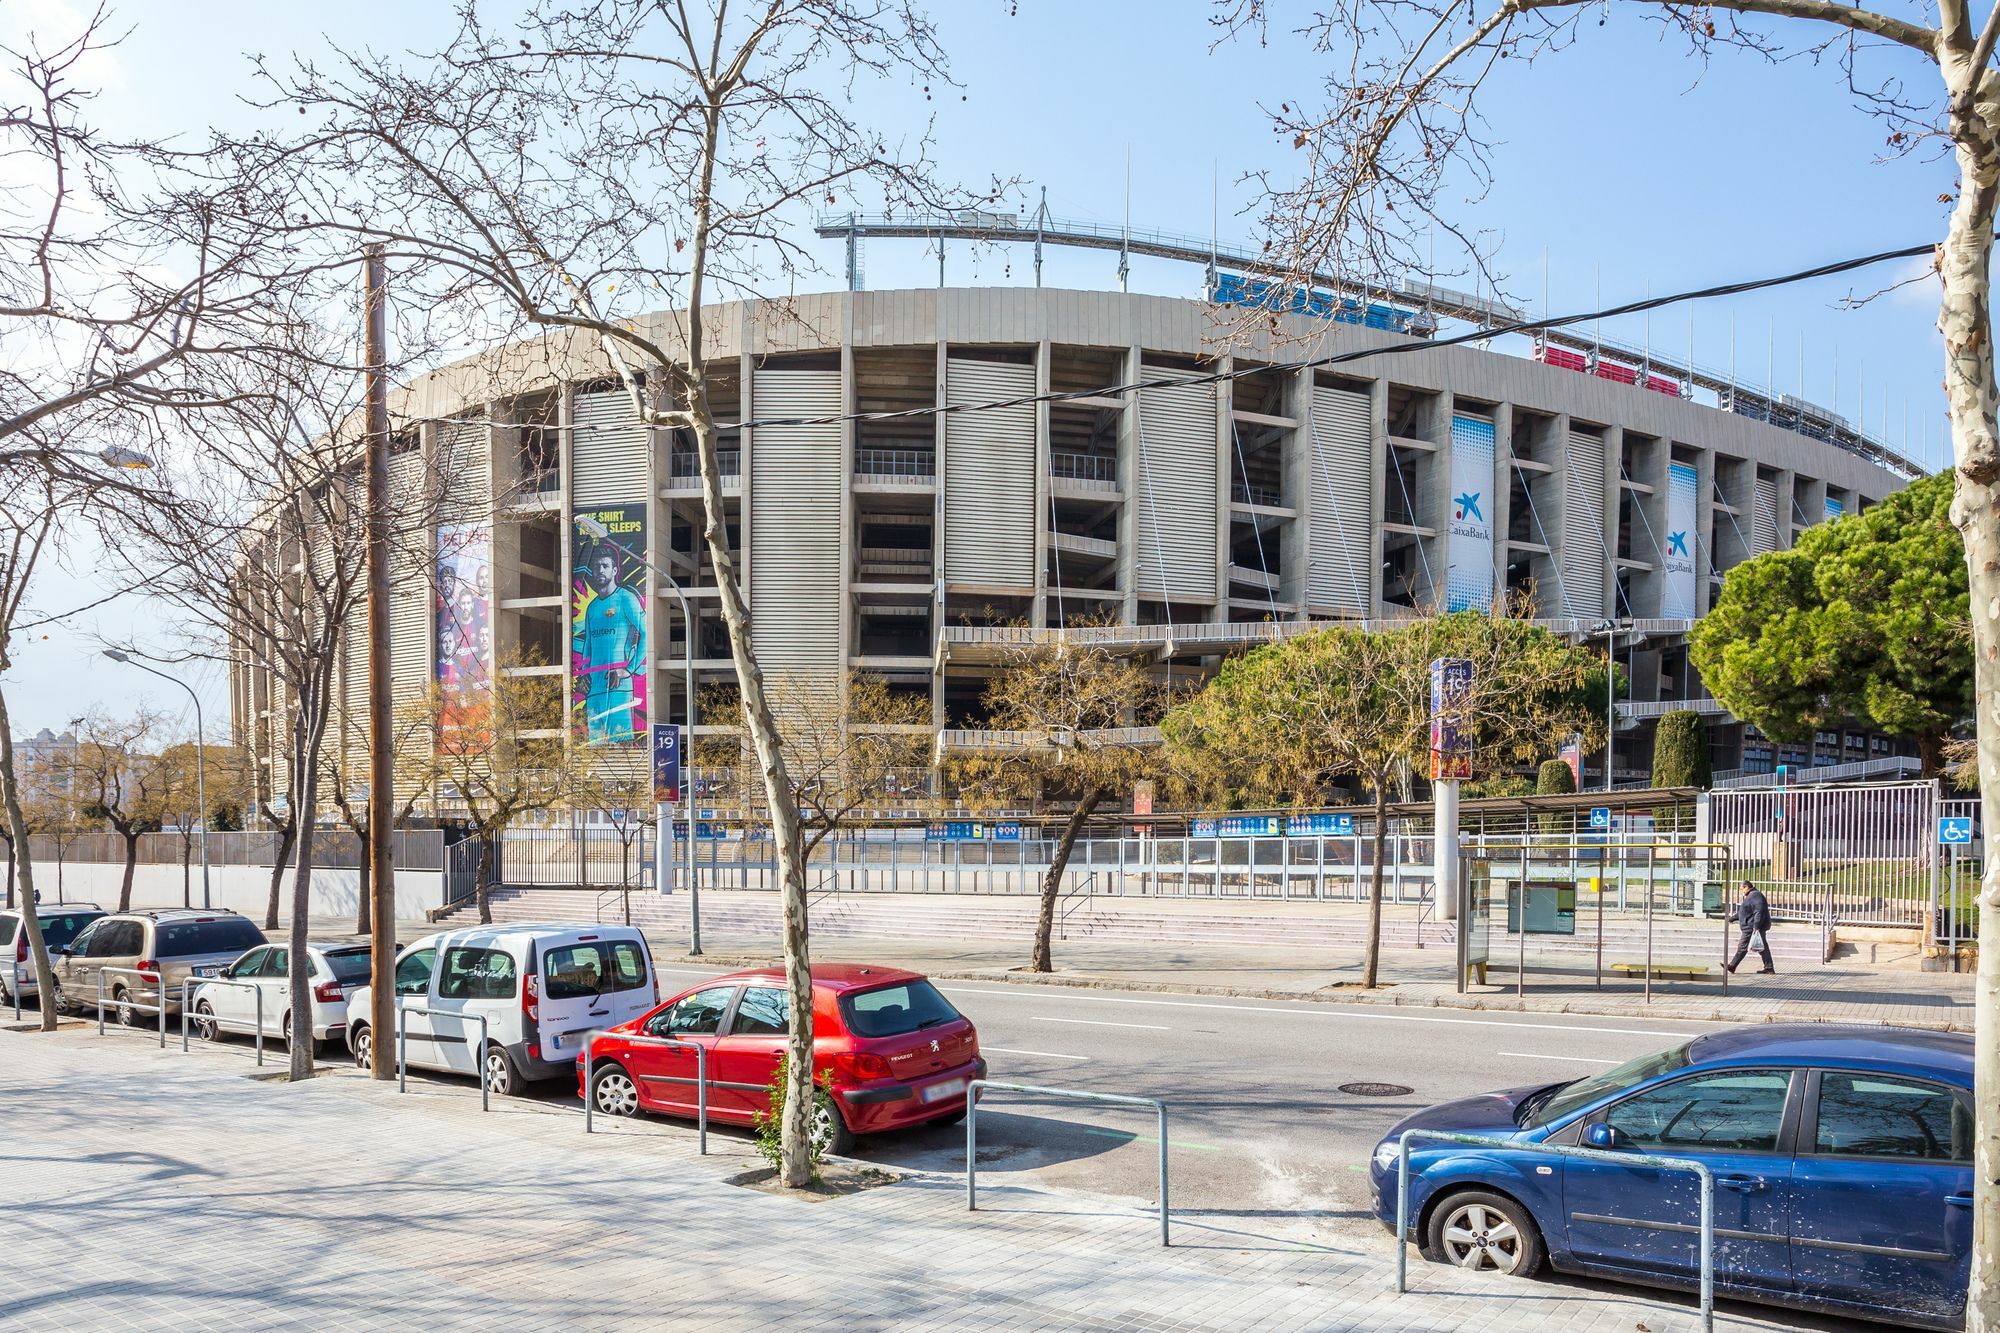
{"x":381,"y":761}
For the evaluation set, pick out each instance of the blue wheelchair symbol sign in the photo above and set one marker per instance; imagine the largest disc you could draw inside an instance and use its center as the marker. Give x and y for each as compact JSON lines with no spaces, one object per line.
{"x":1600,"y":817}
{"x":1955,"y":831}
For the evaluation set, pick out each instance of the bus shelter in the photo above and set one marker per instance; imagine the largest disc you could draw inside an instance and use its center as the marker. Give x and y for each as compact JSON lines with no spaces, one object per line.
{"x":1573,"y":909}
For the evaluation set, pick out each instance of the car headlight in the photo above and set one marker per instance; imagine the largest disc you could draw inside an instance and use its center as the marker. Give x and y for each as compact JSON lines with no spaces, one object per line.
{"x":1386,"y":1154}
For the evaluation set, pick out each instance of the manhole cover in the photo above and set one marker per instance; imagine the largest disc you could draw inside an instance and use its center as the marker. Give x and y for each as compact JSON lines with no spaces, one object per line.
{"x":1375,"y":1090}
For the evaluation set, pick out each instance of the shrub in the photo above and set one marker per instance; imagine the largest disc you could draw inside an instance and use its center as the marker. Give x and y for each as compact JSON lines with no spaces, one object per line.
{"x":1554,"y":778}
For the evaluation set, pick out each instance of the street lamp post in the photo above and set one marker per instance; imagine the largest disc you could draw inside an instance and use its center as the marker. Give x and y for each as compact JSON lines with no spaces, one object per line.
{"x":661,"y":816}
{"x":1610,"y":630}
{"x":200,"y":761}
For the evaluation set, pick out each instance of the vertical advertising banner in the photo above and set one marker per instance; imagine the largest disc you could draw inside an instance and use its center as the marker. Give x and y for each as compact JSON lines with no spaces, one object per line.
{"x":666,"y":764}
{"x":1834,"y":509}
{"x":607,"y":640}
{"x":1677,"y":600}
{"x":1469,"y":537}
{"x":463,"y":622}
{"x":1451,"y":727}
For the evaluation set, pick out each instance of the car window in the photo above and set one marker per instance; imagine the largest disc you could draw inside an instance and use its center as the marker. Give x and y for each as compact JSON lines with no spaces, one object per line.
{"x":413,"y":973}
{"x":117,"y":939}
{"x":1575,"y":1096}
{"x":249,"y":965}
{"x":10,"y":926}
{"x":699,"y":1013}
{"x":1734,"y":1110}
{"x":65,"y":927}
{"x":894,"y":1010}
{"x":85,"y":940}
{"x":349,"y":966}
{"x":1872,"y":1115}
{"x":764,"y":1011}
{"x":578,"y":971}
{"x":277,"y":963}
{"x":476,"y":974}
{"x":222,"y":934}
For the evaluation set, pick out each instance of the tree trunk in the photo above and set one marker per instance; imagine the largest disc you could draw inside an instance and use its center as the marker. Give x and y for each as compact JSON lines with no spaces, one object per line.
{"x":479,"y":879}
{"x":299,"y":979}
{"x":10,"y":870}
{"x":1371,"y":957}
{"x":1965,"y":320}
{"x":1930,"y":753}
{"x":187,"y":880}
{"x":1045,"y":922}
{"x":364,"y":918}
{"x":286,"y":836}
{"x":131,"y":864}
{"x":17,"y":826}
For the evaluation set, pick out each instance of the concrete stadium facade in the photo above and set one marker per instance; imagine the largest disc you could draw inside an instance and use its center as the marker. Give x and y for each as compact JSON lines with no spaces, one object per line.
{"x":1413,"y":475}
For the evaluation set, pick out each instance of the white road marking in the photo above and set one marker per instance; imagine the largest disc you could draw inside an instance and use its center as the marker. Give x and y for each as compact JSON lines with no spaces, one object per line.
{"x":1577,"y":1059}
{"x":1045,"y":1055}
{"x":1100,"y":1023}
{"x":1323,"y":1011}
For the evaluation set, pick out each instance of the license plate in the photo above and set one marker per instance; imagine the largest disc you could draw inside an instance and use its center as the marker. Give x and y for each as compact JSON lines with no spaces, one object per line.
{"x":206,"y":971}
{"x":570,"y":1041}
{"x":937,"y":1092}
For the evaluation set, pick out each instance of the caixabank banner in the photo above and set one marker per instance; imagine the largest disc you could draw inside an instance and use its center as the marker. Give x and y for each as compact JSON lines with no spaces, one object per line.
{"x":607,"y":639}
{"x":1469,"y":540}
{"x":1678,"y":595}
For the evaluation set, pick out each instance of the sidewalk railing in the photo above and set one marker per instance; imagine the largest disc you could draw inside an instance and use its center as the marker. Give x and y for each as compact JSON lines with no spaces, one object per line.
{"x":980,"y":1085}
{"x":478,"y":1053}
{"x":158,"y":1007}
{"x":188,"y":987}
{"x":1707,"y":1178}
{"x":665,"y":1043}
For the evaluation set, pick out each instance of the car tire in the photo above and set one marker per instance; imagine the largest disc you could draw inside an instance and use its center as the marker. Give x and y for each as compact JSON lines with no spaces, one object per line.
{"x":58,"y":1000}
{"x":613,"y":1091}
{"x":952,"y":1119}
{"x":499,"y":1072}
{"x":205,"y":1026}
{"x":121,"y":1007}
{"x":830,"y":1136}
{"x":362,"y":1043}
{"x":1483,"y":1232}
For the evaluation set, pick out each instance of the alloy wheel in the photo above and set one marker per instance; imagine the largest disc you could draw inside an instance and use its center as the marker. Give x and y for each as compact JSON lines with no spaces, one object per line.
{"x":205,"y":1025}
{"x":1480,"y":1238}
{"x":616,"y":1094}
{"x":364,"y":1049}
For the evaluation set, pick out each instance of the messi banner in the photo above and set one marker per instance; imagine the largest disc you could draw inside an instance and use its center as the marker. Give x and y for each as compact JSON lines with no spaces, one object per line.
{"x":1469,"y":535}
{"x":1677,"y":599}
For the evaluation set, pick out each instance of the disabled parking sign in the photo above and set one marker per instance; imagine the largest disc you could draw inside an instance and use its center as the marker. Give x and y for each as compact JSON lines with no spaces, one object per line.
{"x":1955,"y":830}
{"x":1600,"y":817}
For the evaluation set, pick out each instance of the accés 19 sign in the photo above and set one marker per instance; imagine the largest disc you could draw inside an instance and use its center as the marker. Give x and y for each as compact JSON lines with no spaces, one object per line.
{"x":1451,"y":722}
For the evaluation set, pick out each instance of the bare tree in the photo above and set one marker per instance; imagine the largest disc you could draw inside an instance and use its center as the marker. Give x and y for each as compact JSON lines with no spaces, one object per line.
{"x":121,"y":781}
{"x":609,"y":784}
{"x":344,"y":778}
{"x":601,"y":156}
{"x":1398,"y":138}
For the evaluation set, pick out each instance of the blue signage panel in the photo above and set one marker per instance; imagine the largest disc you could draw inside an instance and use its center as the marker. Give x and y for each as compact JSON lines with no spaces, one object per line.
{"x":1262,"y":293}
{"x":957,"y":830}
{"x":1305,"y":826}
{"x":1006,"y":833}
{"x":1600,"y":817}
{"x":666,"y":764}
{"x":1955,"y":831}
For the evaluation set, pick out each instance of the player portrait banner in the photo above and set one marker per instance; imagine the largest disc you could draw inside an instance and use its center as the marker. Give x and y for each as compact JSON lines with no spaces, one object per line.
{"x":463,"y":629}
{"x":1451,"y":718}
{"x":1469,"y":540}
{"x":608,"y":663}
{"x":1678,"y":596}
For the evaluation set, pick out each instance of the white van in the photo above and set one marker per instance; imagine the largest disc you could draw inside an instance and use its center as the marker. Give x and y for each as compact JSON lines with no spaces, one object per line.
{"x":542,"y":990}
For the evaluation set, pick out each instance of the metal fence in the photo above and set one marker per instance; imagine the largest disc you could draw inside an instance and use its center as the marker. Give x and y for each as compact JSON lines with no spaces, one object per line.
{"x":1865,"y":854}
{"x":333,"y":849}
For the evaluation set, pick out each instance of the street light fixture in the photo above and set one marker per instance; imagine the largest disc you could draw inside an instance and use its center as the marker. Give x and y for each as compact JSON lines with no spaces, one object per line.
{"x":116,"y":455}
{"x":200,"y":755}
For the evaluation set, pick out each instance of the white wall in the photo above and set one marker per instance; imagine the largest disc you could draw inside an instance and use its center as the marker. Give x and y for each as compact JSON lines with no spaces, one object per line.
{"x":244,"y":889}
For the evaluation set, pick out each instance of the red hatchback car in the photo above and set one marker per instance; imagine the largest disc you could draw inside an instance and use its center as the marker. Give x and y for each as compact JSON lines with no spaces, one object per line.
{"x":888,"y":1048}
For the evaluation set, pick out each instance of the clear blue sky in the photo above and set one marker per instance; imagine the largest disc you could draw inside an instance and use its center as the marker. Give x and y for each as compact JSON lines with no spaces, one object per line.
{"x":1623,"y":160}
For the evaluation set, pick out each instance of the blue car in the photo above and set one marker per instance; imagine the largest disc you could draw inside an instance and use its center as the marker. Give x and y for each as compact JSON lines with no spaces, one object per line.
{"x":1842,"y":1159}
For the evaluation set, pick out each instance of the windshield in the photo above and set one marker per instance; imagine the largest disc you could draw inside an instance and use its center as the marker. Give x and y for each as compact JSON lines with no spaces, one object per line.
{"x":226,"y":934}
{"x":892,"y":1011}
{"x":1572,"y":1097}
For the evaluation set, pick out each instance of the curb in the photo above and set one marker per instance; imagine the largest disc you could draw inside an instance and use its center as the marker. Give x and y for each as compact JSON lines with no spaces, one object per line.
{"x":1387,"y":999}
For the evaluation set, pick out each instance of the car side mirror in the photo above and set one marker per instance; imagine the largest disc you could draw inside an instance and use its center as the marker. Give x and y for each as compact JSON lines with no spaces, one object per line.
{"x":1603,"y":1136}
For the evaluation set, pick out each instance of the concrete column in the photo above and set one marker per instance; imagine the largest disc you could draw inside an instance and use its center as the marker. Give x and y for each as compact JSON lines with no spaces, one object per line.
{"x":1129,"y":425}
{"x":1378,"y":430}
{"x":1225,"y":457}
{"x":1295,"y":541}
{"x":1444,"y":848}
{"x":1501,"y":509}
{"x":1614,"y":469}
{"x":1705,"y":525}
{"x":1044,"y":484}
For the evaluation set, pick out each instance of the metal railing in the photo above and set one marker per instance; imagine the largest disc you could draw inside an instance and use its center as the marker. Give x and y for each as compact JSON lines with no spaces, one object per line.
{"x":1244,"y":492}
{"x":333,"y":849}
{"x":1707,"y":1178}
{"x":158,"y":1007}
{"x":874,"y":462}
{"x":188,"y":985}
{"x":1083,"y":467}
{"x":478,"y":1054}
{"x":14,"y":988}
{"x":687,"y":466}
{"x":979,"y":1085}
{"x":666,"y":1043}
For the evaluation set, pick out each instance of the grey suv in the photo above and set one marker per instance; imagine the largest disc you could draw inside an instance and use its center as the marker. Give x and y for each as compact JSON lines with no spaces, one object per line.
{"x":136,"y":951}
{"x":61,"y":923}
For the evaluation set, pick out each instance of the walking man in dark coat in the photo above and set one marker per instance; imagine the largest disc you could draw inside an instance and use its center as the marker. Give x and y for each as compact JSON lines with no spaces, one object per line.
{"x":1753,"y":925}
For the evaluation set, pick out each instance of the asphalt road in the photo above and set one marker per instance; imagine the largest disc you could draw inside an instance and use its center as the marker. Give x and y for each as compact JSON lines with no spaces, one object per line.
{"x":1257,"y":1124}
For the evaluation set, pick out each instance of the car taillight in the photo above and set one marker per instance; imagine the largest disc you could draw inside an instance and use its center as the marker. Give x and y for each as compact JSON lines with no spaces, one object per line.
{"x":148,"y":966}
{"x":328,"y":992}
{"x":21,"y":948}
{"x":530,"y":1002}
{"x":860,"y":1066}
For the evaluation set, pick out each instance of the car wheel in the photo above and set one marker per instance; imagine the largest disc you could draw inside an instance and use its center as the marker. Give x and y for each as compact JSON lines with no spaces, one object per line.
{"x":363,"y":1046}
{"x":612,"y":1091}
{"x":501,"y":1076}
{"x":828,"y":1129}
{"x":121,"y":1004}
{"x":205,"y":1025}
{"x":1484,"y":1232}
{"x":58,"y":999}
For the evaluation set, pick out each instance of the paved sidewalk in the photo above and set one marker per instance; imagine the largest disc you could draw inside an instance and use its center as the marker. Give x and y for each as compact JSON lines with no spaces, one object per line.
{"x":151,"y":1189}
{"x":1834,"y":993}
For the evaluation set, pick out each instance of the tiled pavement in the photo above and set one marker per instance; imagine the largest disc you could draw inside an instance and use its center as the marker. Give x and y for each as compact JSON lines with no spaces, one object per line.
{"x":148,"y":1189}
